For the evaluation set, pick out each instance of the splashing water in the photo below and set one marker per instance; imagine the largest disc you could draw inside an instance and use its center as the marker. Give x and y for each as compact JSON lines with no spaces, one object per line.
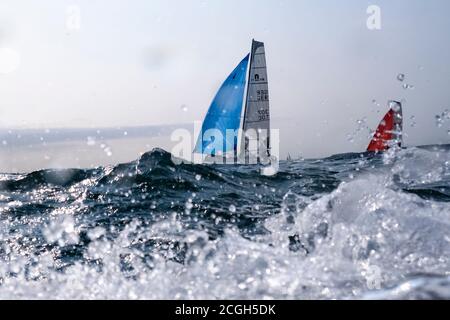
{"x":349,"y":226}
{"x":407,"y":86}
{"x":361,"y":126}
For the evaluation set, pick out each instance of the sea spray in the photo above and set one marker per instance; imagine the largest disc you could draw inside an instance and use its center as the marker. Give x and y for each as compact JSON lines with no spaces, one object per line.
{"x":348,"y":226}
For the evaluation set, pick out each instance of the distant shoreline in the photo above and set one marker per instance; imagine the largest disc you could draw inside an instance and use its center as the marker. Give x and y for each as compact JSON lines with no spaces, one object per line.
{"x":20,"y":137}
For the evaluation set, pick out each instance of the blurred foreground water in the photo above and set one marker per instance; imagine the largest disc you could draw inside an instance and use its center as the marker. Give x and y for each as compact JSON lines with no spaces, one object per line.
{"x":348,"y":226}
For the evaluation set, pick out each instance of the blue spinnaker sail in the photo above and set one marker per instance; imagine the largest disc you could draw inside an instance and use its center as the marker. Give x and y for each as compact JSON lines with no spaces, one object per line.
{"x":224,"y":112}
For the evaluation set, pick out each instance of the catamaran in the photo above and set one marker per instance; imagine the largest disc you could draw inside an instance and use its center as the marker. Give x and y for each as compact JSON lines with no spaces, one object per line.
{"x":234,"y":131}
{"x":389,"y":132}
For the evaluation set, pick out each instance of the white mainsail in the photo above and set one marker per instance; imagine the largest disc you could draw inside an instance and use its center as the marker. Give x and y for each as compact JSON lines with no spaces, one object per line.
{"x":255,"y":143}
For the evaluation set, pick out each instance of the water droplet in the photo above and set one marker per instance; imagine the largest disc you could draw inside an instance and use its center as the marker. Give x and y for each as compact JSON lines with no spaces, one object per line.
{"x":232,"y":209}
{"x":189,"y":204}
{"x":184,"y":108}
{"x":401,"y":77}
{"x":408,"y":86}
{"x":350,"y":138}
{"x":96,"y":233}
{"x":108,"y":151}
{"x":91,"y":141}
{"x":438,"y":121}
{"x":446,"y":114}
{"x":198,"y":177}
{"x":242,"y":286}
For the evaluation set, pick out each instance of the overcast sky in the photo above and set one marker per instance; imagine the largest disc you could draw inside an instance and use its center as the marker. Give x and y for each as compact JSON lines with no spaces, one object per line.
{"x":143,"y":62}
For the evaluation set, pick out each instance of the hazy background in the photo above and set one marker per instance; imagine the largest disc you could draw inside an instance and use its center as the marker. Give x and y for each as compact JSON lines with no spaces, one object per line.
{"x":160,"y":62}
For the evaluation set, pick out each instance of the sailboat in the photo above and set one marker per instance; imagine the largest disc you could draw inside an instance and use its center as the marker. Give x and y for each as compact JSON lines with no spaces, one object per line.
{"x":236,"y":128}
{"x":389,"y":131}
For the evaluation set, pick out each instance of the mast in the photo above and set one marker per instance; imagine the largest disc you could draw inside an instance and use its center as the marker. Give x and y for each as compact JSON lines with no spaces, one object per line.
{"x":252,"y":50}
{"x":398,"y":121}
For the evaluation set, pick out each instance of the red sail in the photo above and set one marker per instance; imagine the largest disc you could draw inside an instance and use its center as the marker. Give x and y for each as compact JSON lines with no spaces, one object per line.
{"x":388,"y":130}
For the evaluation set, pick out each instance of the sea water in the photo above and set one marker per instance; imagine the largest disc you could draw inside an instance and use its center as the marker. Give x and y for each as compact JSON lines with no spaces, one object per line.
{"x":352,"y":226}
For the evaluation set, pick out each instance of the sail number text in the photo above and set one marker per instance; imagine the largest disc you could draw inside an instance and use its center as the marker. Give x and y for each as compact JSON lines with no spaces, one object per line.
{"x":263,"y":115}
{"x":262,"y":95}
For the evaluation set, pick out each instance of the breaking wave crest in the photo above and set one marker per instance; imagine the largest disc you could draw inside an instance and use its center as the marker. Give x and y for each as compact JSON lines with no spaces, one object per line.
{"x":349,"y":226}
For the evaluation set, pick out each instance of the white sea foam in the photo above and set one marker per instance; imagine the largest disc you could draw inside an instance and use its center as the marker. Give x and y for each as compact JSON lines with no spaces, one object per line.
{"x":367,"y":239}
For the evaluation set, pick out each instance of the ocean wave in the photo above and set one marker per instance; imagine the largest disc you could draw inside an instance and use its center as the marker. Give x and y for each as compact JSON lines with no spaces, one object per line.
{"x":348,"y":226}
